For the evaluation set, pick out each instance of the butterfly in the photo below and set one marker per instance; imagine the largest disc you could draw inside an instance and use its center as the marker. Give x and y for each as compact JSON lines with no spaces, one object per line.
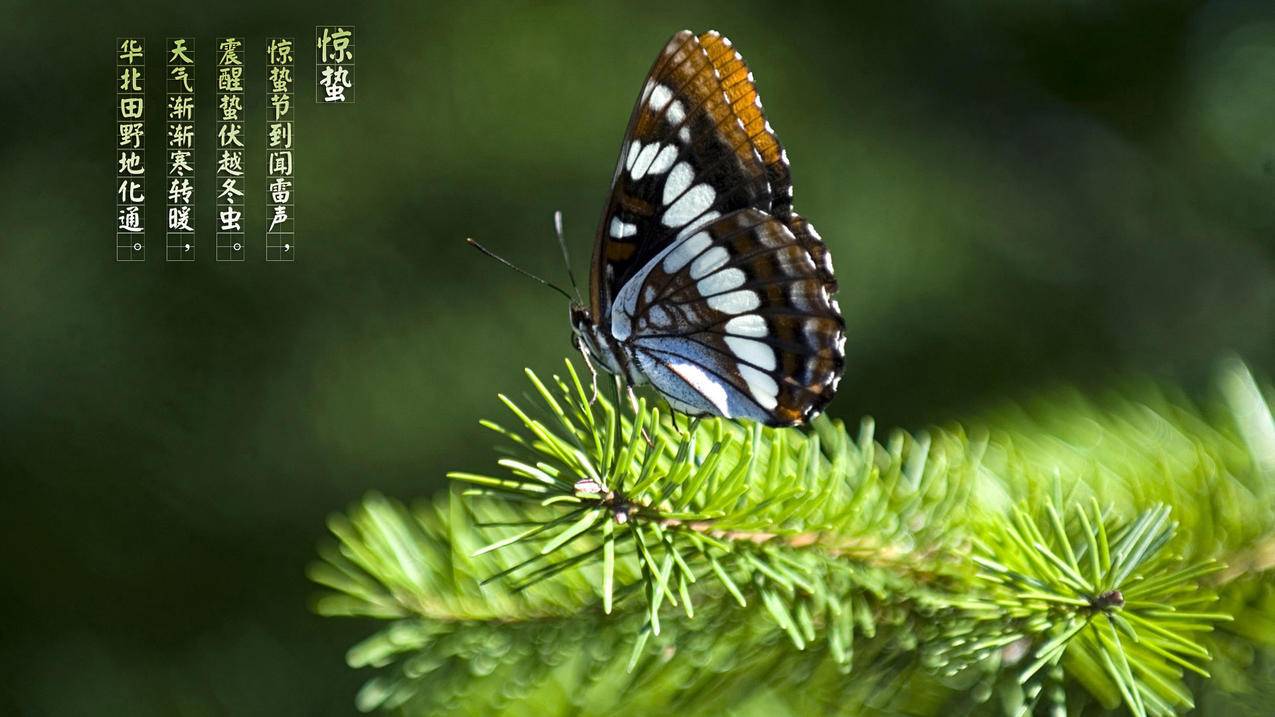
{"x":705,"y":284}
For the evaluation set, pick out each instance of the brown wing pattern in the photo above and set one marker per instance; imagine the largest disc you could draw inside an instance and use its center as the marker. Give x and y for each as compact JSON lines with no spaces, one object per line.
{"x":745,"y":103}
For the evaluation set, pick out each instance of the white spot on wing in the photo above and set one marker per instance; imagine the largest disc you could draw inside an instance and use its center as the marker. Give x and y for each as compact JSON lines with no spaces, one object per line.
{"x":747,"y":325}
{"x":621,"y":229}
{"x":736,"y":302}
{"x":761,"y":386}
{"x":676,"y":113}
{"x":634,"y":148}
{"x":685,"y":251}
{"x":663,"y":160}
{"x":678,"y":180}
{"x":693,"y":203}
{"x":753,"y":352}
{"x":684,"y":134}
{"x":643,"y":161}
{"x":704,"y":384}
{"x":660,"y":96}
{"x":708,"y":261}
{"x":720,"y":282}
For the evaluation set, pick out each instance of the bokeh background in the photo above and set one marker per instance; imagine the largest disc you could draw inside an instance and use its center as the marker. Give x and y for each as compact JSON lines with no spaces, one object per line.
{"x":1018,"y":194}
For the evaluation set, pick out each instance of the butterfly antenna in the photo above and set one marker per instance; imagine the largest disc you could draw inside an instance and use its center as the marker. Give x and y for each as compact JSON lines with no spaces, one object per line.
{"x":518,"y":269}
{"x":566,"y":258}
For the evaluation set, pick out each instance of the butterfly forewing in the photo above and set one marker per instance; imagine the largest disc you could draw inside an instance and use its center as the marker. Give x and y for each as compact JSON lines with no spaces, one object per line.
{"x":697,"y":148}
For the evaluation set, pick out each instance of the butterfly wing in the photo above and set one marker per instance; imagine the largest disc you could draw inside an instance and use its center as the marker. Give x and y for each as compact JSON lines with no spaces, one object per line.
{"x":735,"y":320}
{"x":697,"y":147}
{"x":701,"y":268}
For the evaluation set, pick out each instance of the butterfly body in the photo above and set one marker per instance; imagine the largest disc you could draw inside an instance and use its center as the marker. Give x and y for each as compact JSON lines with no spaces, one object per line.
{"x":705,"y":283}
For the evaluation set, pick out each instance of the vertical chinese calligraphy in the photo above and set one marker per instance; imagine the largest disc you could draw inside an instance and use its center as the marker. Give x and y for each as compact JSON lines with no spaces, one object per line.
{"x":334,"y":63}
{"x":280,"y":204}
{"x":130,"y":149}
{"x":179,"y":241}
{"x":230,"y":149}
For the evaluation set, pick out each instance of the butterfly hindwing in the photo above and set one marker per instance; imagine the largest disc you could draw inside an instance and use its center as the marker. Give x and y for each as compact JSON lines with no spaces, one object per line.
{"x":735,"y":320}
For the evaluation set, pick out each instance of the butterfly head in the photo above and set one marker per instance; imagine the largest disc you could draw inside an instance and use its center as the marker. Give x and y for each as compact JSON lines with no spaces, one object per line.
{"x":584,"y":334}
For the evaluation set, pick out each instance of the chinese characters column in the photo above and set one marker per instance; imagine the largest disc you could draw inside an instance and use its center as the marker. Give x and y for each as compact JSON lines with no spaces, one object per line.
{"x":179,"y":243}
{"x":281,"y":229}
{"x":130,"y":149}
{"x":230,"y":150}
{"x":334,"y":63}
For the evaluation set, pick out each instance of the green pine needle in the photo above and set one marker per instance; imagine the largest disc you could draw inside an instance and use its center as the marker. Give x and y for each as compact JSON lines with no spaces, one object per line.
{"x":643,"y":565}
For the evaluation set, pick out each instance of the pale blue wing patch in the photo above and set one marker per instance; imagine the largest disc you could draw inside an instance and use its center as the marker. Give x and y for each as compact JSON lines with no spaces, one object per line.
{"x":693,"y":378}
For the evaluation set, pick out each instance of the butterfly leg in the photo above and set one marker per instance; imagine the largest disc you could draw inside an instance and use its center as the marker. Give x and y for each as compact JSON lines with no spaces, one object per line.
{"x":691,"y":422}
{"x":593,"y":370}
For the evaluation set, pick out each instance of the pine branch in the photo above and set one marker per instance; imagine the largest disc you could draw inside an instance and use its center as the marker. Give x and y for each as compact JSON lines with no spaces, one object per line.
{"x":1042,"y":566}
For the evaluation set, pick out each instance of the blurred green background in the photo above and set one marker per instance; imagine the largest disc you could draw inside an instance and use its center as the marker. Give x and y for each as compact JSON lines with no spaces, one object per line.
{"x":1017,"y":194}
